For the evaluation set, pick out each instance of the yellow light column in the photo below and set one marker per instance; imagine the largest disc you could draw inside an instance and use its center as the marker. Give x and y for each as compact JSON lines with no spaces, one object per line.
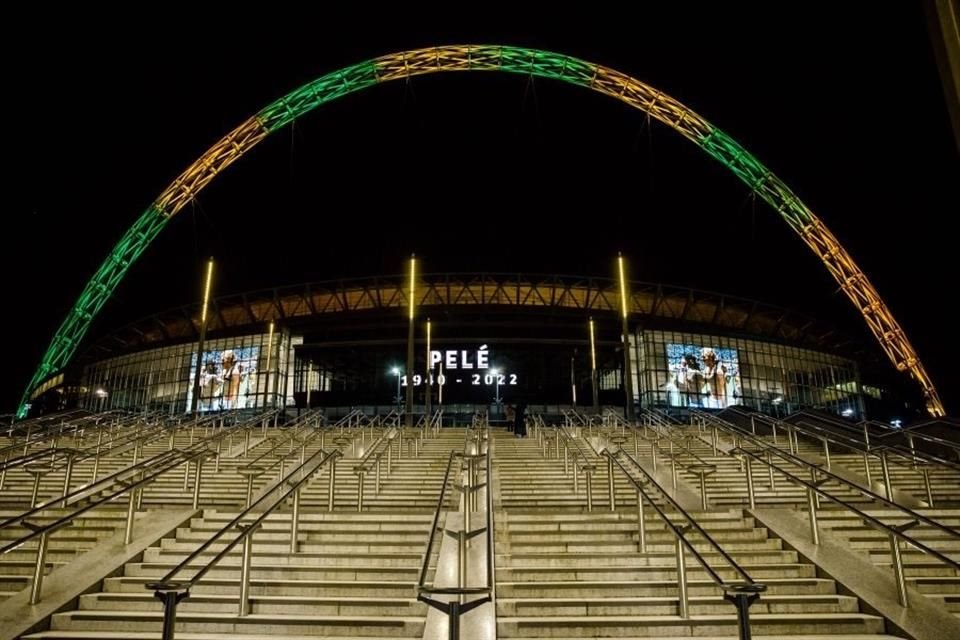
{"x":593,"y":370}
{"x":412,"y":303}
{"x":203,"y":336}
{"x":428,"y":379}
{"x":625,"y":337}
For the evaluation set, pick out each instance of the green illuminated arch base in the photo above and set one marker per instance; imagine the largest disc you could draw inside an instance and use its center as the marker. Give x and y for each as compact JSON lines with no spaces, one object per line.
{"x":486,"y":58}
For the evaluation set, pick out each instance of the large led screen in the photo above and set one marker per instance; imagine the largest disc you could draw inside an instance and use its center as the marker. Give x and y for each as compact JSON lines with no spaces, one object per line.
{"x":706,"y":377}
{"x":228,"y":380}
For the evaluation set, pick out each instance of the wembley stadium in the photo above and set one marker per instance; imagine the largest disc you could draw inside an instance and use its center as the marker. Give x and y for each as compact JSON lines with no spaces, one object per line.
{"x":495,"y":339}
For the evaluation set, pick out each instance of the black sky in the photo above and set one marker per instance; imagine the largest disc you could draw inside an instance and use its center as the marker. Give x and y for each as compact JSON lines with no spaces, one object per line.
{"x":481,"y":172}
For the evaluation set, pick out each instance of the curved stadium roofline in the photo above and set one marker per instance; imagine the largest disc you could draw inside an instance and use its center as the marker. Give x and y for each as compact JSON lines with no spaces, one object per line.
{"x":596,"y":295}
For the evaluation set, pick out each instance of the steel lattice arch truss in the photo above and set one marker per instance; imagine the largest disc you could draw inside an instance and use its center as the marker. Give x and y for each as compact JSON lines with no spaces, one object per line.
{"x":406,"y":64}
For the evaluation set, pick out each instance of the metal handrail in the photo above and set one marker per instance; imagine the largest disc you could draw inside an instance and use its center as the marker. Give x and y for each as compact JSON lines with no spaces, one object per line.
{"x":174,"y":461}
{"x":387,"y":436}
{"x":740,"y":594}
{"x":456,"y":607}
{"x":912,"y":455}
{"x":894,"y":532}
{"x":864,"y":515}
{"x":166,"y":583}
{"x":97,"y":486}
{"x":860,"y":445}
{"x":434,"y":527}
{"x":676,"y":531}
{"x":574,"y":443}
{"x":789,"y":457}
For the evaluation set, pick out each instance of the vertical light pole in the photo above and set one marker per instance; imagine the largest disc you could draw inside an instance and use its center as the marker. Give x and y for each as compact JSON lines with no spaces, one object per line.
{"x":440,"y":385}
{"x":396,"y":372}
{"x":266,"y":390}
{"x":593,"y":370}
{"x":409,"y":409}
{"x":428,"y":380}
{"x":624,"y":310}
{"x":573,"y":379}
{"x":203,"y":336}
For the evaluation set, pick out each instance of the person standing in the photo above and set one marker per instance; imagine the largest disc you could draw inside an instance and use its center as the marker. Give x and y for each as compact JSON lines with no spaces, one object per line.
{"x":519,"y":423}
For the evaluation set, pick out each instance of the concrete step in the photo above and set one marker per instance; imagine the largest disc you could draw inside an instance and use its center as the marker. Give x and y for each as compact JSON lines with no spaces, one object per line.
{"x":260,"y":604}
{"x":663,"y":626}
{"x":265,"y":624}
{"x":652,"y":588}
{"x":667,"y":605}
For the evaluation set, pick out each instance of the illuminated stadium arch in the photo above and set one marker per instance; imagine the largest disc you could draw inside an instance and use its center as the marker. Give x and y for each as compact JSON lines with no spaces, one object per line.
{"x":531,"y":62}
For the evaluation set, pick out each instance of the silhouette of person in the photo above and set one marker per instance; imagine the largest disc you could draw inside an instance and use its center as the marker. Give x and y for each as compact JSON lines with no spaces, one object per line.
{"x":519,"y":424}
{"x":511,"y":415}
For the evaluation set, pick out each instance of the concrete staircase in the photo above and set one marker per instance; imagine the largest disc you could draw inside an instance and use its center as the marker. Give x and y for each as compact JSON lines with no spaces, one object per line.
{"x":565,"y":573}
{"x":352,"y":575}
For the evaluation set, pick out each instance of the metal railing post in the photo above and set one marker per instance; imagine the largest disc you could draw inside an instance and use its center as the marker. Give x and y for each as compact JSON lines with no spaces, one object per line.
{"x":244,"y":608}
{"x":887,"y":483}
{"x":588,"y":471}
{"x":37,"y":473}
{"x":332,"y":486}
{"x":641,"y":523}
{"x":742,"y":596}
{"x":38,"y":568}
{"x":826,"y":452}
{"x":361,"y":475}
{"x":770,"y":479}
{"x":898,"y":573}
{"x":196,"y":482}
{"x":925,"y":471}
{"x":611,"y":489}
{"x":131,"y":512}
{"x":170,"y":595}
{"x":812,"y":508}
{"x":684,"y":603}
{"x":751,"y":496}
{"x":96,"y":458}
{"x":673,"y":466}
{"x":866,"y":469}
{"x":703,"y":489}
{"x":295,"y":521}
{"x":67,"y":476}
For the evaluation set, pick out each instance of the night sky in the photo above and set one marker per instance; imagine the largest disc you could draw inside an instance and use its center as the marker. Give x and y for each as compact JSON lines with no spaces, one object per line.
{"x":481,"y":172}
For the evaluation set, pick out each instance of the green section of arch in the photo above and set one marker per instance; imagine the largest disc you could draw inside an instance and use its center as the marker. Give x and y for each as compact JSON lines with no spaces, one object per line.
{"x":94,"y":296}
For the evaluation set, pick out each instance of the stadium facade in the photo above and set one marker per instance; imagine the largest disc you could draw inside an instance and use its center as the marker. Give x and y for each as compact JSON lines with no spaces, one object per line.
{"x":496,"y":339}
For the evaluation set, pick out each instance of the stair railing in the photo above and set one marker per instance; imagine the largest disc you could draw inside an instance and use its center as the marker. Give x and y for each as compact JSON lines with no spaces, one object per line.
{"x":741,"y":593}
{"x":171,"y":592}
{"x":896,"y":533}
{"x":458,"y":604}
{"x":149,"y":471}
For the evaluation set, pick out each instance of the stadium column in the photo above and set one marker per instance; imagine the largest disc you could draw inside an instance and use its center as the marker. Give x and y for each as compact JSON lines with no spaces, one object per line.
{"x":625,"y":336}
{"x":428,"y":379}
{"x":266,"y":387}
{"x":203,"y":337}
{"x":412,"y":305}
{"x":593,"y":370}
